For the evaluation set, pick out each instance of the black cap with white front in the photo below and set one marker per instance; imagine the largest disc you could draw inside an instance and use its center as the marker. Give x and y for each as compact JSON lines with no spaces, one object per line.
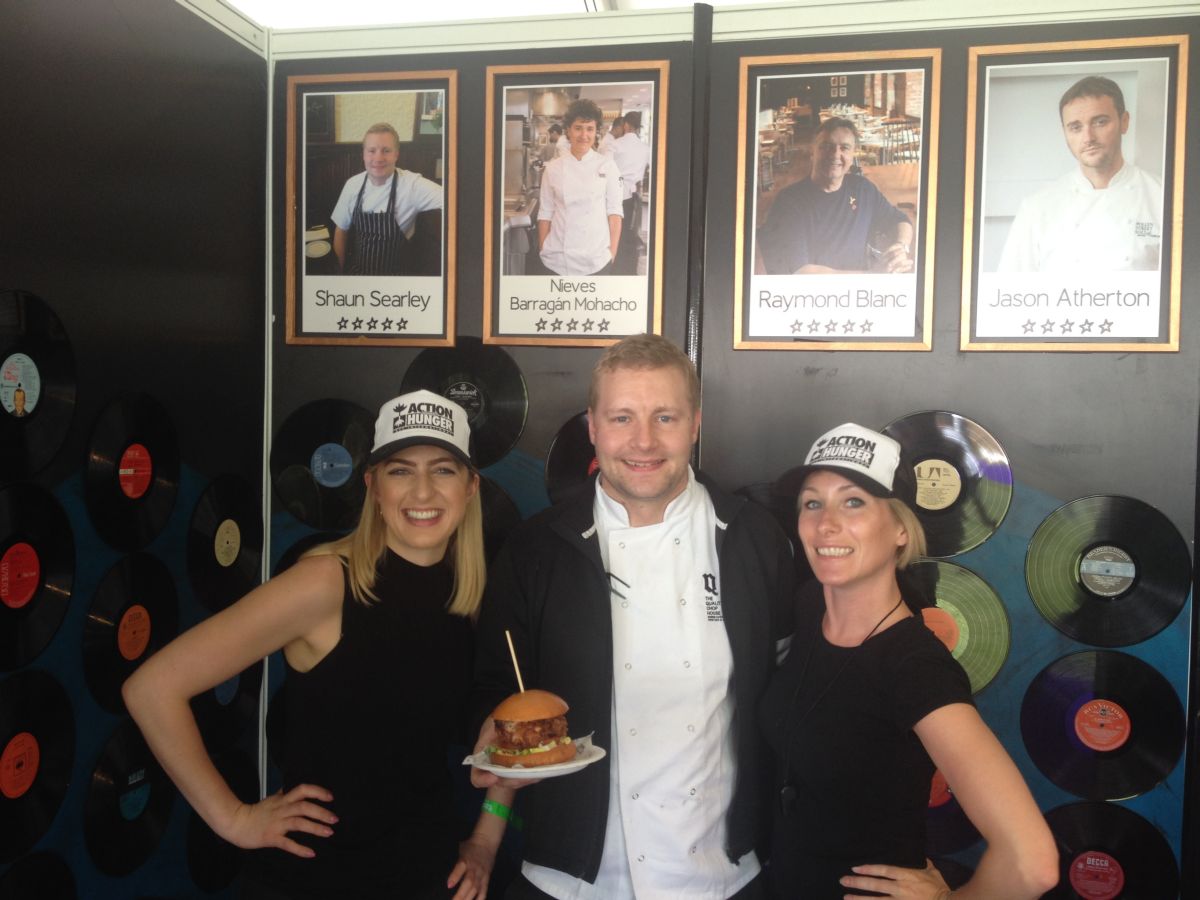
{"x":870,"y":459}
{"x":421,"y":417}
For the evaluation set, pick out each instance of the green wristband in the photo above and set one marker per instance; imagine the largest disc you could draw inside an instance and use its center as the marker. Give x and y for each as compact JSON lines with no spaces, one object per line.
{"x":497,"y":809}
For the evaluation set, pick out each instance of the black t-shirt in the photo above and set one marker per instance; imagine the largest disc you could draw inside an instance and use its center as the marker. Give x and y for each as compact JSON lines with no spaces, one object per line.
{"x":839,"y":720}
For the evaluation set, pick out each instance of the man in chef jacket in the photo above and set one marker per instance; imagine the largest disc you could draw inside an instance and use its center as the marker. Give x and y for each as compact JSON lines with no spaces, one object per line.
{"x":580,"y":210}
{"x":655,"y":604}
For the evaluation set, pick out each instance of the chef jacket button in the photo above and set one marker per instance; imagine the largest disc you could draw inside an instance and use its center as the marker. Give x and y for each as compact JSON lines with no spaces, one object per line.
{"x":687,"y":664}
{"x":641,"y":857}
{"x":621,"y":545}
{"x":683,"y":601}
{"x":636,"y":795}
{"x":676,"y":542}
{"x":693,"y":850}
{"x":633,"y":731}
{"x":692,"y":792}
{"x":624,"y":604}
{"x":628,"y":665}
{"x":691,"y":728}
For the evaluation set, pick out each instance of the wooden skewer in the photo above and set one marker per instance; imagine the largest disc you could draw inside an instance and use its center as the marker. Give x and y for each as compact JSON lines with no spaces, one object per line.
{"x":516,"y":668}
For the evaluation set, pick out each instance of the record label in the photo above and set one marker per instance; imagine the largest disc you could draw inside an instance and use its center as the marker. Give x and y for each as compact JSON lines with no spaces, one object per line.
{"x":1107,"y":571}
{"x":1097,"y":876}
{"x":20,"y":385}
{"x":133,"y":632}
{"x":939,"y":790}
{"x":332,"y":465}
{"x":466,"y":395}
{"x":134,"y":471}
{"x":20,"y":575}
{"x":19,"y":765}
{"x":947,"y":623}
{"x":938,"y":484}
{"x":228,"y":543}
{"x":135,"y":798}
{"x":1102,"y":725}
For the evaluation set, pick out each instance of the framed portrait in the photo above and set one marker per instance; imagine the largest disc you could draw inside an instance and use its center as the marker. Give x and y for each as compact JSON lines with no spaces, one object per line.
{"x":1072,"y":237}
{"x":370,"y":209}
{"x":574,"y":202}
{"x":837,"y":171}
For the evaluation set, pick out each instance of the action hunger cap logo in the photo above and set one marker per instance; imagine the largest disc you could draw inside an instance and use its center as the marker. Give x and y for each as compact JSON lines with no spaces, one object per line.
{"x":421,"y":417}
{"x":859,"y":450}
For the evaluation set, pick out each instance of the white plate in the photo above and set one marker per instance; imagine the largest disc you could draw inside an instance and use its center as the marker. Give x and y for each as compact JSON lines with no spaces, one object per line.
{"x":316,"y":249}
{"x":586,"y":753}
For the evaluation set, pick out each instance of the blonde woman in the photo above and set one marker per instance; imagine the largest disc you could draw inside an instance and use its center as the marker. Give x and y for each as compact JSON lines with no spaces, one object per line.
{"x":376,"y":632}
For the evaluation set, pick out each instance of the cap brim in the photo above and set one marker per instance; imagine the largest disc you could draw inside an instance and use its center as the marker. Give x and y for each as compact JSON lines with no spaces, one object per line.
{"x":393,"y":447}
{"x":790,"y":482}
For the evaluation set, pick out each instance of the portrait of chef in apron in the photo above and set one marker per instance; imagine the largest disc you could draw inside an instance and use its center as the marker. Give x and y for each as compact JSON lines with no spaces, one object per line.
{"x":377,"y":210}
{"x":580,"y":208}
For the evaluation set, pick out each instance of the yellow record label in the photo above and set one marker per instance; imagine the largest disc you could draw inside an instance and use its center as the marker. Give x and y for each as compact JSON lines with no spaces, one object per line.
{"x":938,"y":484}
{"x":227,"y":543}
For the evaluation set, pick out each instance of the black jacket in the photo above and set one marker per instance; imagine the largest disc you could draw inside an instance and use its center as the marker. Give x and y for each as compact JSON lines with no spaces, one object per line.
{"x":548,"y":587}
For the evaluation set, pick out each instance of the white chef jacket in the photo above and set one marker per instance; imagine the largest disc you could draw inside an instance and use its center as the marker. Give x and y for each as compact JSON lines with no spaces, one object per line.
{"x":577,"y":197}
{"x":1071,"y":226}
{"x":414,"y":194}
{"x":606,"y":143}
{"x":631,"y":155}
{"x":671,"y":748}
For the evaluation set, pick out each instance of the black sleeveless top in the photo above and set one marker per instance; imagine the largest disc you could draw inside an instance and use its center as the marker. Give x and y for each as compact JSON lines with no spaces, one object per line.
{"x":372,"y":722}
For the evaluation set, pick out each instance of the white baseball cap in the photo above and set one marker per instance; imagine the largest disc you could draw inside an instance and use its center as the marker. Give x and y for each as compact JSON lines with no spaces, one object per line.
{"x":421,"y":417}
{"x":868,"y":458}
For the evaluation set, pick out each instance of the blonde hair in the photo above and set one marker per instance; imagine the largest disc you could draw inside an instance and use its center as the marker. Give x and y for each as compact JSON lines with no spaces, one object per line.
{"x":361,"y":550}
{"x":915,"y":548}
{"x":645,"y":351}
{"x":383,"y":128}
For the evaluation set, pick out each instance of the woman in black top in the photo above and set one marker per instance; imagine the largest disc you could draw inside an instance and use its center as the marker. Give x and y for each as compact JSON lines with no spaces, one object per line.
{"x":375,"y":629}
{"x":869,"y":701}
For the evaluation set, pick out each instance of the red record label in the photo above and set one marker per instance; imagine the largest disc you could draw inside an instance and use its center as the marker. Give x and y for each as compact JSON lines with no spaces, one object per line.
{"x":1102,"y":725}
{"x":19,"y":765}
{"x":135,"y":471}
{"x":939,"y":790}
{"x":1097,"y":876}
{"x":942,"y":624}
{"x":20,"y":575}
{"x":593,"y":467}
{"x":133,"y":632}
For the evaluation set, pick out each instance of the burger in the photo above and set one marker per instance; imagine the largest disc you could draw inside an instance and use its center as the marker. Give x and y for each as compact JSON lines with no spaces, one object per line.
{"x":531,"y":730}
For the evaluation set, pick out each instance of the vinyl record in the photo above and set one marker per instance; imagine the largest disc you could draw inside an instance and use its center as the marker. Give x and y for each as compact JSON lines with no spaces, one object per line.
{"x":226,"y":712}
{"x":783,"y":510}
{"x":1103,"y":725}
{"x":485,"y":381}
{"x":224,"y":543}
{"x":317,"y":462}
{"x":128,"y":803}
{"x":1108,"y":570}
{"x":37,"y":746}
{"x":969,"y":618}
{"x":1107,"y":851}
{"x":212,"y":862}
{"x":289,"y":556}
{"x":132,"y":473}
{"x":500,"y":516}
{"x":571,"y":460}
{"x":37,"y":572}
{"x":964,"y":483}
{"x":134,"y":612}
{"x":37,"y":385}
{"x":39,"y":876}
{"x":947,"y":828}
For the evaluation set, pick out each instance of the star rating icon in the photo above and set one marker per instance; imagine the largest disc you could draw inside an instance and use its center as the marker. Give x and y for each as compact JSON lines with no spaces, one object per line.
{"x":573,"y":325}
{"x":814,"y":326}
{"x":1106,"y":326}
{"x":556,"y":325}
{"x":342,"y":323}
{"x":603,"y":327}
{"x":387,"y":324}
{"x":797,"y":326}
{"x":587,"y":324}
{"x":1068,"y":326}
{"x":848,"y":328}
{"x":831,"y":327}
{"x":358,"y":324}
{"x":1085,"y":327}
{"x":541,"y":324}
{"x":867,"y":326}
{"x":1028,"y":327}
{"x":372,"y":323}
{"x":1047,"y":327}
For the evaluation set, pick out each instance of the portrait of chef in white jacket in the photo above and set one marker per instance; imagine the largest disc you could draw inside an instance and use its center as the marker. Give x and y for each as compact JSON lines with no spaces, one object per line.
{"x":580,"y":209}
